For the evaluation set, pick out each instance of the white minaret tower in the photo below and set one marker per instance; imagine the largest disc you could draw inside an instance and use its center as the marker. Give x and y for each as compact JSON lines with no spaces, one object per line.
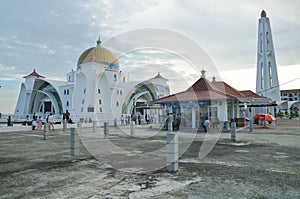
{"x":267,"y":83}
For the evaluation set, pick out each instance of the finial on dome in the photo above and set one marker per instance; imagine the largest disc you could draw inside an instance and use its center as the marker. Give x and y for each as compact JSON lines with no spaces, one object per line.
{"x":98,"y":41}
{"x":214,"y":79}
{"x":263,"y":13}
{"x":203,"y":73}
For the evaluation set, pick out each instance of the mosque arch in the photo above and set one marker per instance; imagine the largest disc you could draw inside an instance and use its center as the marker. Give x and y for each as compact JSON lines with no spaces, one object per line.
{"x":20,"y":108}
{"x":43,"y":90}
{"x":142,"y":93}
{"x":79,"y":92}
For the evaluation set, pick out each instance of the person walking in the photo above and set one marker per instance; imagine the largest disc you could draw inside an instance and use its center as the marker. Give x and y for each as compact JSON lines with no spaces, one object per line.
{"x":51,"y":121}
{"x":9,"y":121}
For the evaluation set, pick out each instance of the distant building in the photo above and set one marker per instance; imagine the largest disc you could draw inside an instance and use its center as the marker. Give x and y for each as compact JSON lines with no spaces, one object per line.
{"x":97,"y":89}
{"x":290,"y":95}
{"x":290,"y":101}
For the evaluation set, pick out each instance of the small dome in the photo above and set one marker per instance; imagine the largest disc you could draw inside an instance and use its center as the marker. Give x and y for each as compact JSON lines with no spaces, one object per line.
{"x":101,"y":55}
{"x":263,"y":13}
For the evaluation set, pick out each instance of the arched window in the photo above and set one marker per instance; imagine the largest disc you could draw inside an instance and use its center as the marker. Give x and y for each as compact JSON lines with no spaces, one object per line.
{"x":100,"y":110}
{"x":115,"y":77}
{"x":84,"y":91}
{"x":117,"y":104}
{"x":65,"y":92}
{"x":120,"y":92}
{"x":262,"y":75}
{"x":268,"y":41}
{"x":99,"y":91}
{"x":261,"y":42}
{"x":270,"y":74}
{"x":67,"y":103}
{"x":100,"y":102}
{"x":82,"y":101}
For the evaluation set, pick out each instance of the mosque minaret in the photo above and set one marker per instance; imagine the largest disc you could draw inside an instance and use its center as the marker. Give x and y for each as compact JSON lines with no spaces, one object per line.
{"x":267,"y":83}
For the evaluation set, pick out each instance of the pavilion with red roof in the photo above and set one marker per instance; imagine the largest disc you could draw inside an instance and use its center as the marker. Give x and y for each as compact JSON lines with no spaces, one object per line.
{"x":215,"y":100}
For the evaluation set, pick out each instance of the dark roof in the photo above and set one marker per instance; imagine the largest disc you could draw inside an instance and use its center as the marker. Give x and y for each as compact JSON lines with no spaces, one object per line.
{"x":249,"y":93}
{"x":205,"y":90}
{"x":200,"y":90}
{"x":290,"y":91}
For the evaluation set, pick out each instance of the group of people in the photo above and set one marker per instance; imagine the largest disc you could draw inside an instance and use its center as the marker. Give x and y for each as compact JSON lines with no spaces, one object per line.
{"x":175,"y":123}
{"x":37,"y":121}
{"x":137,"y":118}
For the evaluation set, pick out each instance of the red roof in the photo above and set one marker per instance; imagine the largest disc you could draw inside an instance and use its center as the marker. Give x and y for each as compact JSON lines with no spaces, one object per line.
{"x":206,"y":90}
{"x":200,"y":90}
{"x":35,"y":74}
{"x":224,"y":87}
{"x":249,"y":93}
{"x":158,"y":76}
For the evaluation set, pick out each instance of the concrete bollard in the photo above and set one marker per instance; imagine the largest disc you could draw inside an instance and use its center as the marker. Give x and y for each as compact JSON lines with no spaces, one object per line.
{"x":94,"y":126}
{"x":132,"y":128}
{"x":233,"y":131}
{"x":74,"y":142}
{"x":46,"y":129}
{"x":106,"y":129}
{"x":172,"y":152}
{"x":64,"y":125}
{"x":250,"y":125}
{"x":79,"y":124}
{"x":115,"y":123}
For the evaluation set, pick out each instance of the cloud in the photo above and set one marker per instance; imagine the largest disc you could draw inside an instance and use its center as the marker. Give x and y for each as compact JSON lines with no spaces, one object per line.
{"x":50,"y":36}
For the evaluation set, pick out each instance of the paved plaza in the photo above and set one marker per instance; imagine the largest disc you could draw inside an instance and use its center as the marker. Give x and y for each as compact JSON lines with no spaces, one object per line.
{"x":264,"y":163}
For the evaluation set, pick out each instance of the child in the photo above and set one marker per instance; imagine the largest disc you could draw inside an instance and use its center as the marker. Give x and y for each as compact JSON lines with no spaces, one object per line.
{"x":40,"y":124}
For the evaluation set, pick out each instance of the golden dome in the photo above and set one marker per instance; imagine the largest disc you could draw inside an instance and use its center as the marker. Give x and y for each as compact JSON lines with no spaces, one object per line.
{"x":100,"y":55}
{"x":263,"y":13}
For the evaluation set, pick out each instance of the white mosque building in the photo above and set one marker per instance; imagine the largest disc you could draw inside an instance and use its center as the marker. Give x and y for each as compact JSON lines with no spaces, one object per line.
{"x":97,"y":89}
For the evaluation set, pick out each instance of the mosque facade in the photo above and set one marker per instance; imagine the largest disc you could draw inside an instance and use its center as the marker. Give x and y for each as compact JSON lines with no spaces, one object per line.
{"x":97,"y":89}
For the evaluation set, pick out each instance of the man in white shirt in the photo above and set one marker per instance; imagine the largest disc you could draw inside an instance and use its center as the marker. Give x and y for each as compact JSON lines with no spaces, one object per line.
{"x":51,"y":121}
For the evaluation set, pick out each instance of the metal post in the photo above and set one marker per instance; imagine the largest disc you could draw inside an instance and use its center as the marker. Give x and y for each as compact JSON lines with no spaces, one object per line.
{"x":106,"y":129}
{"x":64,"y":125}
{"x":46,"y":129}
{"x":250,"y":121}
{"x":233,"y":131}
{"x":172,"y":152}
{"x":94,"y":126}
{"x":115,"y":122}
{"x":132,"y":128}
{"x":74,"y":142}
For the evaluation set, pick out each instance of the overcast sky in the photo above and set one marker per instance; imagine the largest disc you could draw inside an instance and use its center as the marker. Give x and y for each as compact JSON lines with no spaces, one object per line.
{"x":50,"y":36}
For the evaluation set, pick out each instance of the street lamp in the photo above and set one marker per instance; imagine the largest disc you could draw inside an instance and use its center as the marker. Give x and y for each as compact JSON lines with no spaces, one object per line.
{"x":134,"y":108}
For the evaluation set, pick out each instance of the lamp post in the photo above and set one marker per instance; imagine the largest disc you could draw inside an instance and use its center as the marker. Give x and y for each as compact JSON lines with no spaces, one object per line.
{"x":134,"y":108}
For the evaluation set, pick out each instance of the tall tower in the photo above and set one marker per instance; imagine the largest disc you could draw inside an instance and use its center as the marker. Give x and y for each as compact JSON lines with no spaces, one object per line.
{"x":267,"y":83}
